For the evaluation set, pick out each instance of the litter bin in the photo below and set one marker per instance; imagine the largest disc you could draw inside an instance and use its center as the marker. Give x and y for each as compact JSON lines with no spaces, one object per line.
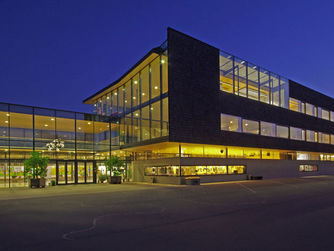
{"x":193,"y":180}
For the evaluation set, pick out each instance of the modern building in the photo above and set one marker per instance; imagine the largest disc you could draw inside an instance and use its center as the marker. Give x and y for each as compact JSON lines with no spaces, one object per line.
{"x":185,"y":109}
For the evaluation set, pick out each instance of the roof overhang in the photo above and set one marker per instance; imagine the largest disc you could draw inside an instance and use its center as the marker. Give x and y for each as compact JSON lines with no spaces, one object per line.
{"x":126,"y":76}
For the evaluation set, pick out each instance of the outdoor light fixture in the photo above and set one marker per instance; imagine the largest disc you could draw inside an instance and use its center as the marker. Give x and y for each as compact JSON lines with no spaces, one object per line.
{"x":135,"y":82}
{"x":162,"y":61}
{"x":7,"y":115}
{"x":52,"y":119}
{"x":6,"y":121}
{"x":46,"y":125}
{"x":156,"y":87}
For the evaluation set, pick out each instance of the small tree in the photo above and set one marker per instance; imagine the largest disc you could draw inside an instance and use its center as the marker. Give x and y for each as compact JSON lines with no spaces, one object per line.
{"x":36,"y":166}
{"x":114,"y":165}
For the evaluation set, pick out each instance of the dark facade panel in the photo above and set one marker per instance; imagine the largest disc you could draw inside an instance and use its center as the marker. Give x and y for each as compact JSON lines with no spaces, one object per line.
{"x":308,"y":95}
{"x":193,"y":76}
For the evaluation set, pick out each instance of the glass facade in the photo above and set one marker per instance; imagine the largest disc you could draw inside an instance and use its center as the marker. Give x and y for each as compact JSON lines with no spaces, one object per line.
{"x":87,"y":138}
{"x":245,"y":79}
{"x":140,"y":103}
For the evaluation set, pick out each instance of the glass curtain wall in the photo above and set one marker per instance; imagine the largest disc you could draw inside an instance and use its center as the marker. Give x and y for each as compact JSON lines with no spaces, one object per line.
{"x":86,"y":137}
{"x":141,"y":103}
{"x":242,"y":78}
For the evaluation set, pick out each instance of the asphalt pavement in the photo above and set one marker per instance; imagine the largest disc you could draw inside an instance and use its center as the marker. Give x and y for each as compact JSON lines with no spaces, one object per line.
{"x":277,"y":214}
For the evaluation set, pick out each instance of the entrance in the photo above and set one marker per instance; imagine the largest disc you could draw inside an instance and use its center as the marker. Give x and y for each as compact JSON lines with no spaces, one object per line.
{"x":66,"y":172}
{"x":85,"y":172}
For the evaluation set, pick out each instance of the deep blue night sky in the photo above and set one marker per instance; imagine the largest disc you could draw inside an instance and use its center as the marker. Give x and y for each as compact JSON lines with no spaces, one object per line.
{"x":55,"y":53}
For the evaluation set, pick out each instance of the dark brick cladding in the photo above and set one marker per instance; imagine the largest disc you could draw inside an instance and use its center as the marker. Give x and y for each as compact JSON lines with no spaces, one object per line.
{"x":195,"y":102}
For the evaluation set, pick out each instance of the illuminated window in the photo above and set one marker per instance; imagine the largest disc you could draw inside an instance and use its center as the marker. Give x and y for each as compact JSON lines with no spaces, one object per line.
{"x":310,"y":109}
{"x":230,"y":123}
{"x":250,"y":126}
{"x":324,"y":138}
{"x":308,"y":168}
{"x":296,"y":133}
{"x":236,"y":169}
{"x":295,"y":105}
{"x":310,"y":136}
{"x":268,"y":129}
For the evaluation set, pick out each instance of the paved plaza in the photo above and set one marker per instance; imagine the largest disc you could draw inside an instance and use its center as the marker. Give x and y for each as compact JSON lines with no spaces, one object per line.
{"x":278,"y":214}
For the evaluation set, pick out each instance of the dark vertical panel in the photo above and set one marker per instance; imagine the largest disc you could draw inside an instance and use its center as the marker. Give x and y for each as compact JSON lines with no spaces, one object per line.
{"x":193,"y":79}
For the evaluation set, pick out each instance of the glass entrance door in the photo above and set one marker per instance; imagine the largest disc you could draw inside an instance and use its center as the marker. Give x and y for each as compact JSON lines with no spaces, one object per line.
{"x":70,"y":166}
{"x":61,"y":167}
{"x":66,"y":173}
{"x":81,"y":172}
{"x":90,"y":172}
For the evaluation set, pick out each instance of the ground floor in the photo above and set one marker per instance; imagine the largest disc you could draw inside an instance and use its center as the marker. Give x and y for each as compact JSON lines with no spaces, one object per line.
{"x":180,"y":169}
{"x":63,"y":172}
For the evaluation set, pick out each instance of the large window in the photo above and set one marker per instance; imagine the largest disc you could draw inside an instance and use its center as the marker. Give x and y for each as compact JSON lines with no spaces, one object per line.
{"x":230,"y":123}
{"x":311,"y":136}
{"x":296,"y":133}
{"x":242,"y":78}
{"x":250,"y":126}
{"x":324,"y":138}
{"x":310,"y":109}
{"x":282,"y":131}
{"x":268,"y":129}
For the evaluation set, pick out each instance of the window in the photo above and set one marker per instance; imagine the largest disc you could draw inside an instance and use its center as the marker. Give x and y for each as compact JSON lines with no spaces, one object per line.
{"x":155,"y":78}
{"x":324,"y":114}
{"x":296,"y":133}
{"x":236,"y":169}
{"x":332,"y":139}
{"x":310,"y":136}
{"x":308,"y":168}
{"x":323,"y":138}
{"x":332,"y":116}
{"x":230,"y":123}
{"x":250,"y":126}
{"x":226,"y":72}
{"x":253,"y":81}
{"x":310,"y":109}
{"x":295,"y":105}
{"x":268,"y":129}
